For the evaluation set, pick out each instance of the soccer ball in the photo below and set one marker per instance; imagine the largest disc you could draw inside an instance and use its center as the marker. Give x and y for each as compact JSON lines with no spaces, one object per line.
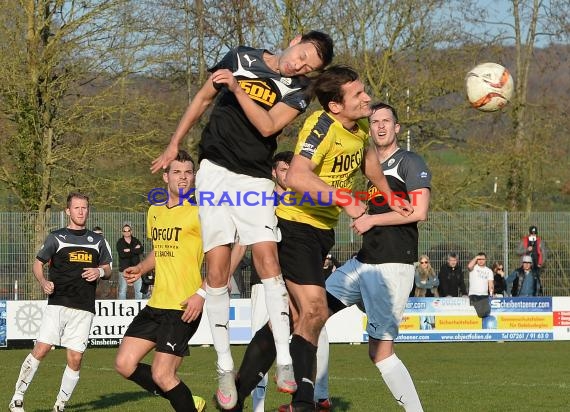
{"x":489,"y":87}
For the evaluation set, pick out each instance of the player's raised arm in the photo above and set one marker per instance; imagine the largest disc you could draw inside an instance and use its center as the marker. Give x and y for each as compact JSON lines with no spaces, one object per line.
{"x":193,"y":112}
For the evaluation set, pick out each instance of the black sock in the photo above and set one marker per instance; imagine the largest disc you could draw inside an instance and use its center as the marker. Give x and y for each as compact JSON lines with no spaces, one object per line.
{"x":304,"y":356}
{"x":257,"y":360}
{"x":142,"y":376}
{"x":180,"y":398}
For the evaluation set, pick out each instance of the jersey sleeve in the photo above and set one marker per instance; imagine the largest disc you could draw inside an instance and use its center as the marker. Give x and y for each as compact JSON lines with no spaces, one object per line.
{"x":227,"y":62}
{"x":48,"y":249}
{"x":314,"y":140}
{"x":105,"y":254}
{"x":417,"y":174}
{"x":298,"y":98}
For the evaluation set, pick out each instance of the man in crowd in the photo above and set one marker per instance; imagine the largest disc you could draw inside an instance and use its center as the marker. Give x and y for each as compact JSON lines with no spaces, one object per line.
{"x":451,"y":281}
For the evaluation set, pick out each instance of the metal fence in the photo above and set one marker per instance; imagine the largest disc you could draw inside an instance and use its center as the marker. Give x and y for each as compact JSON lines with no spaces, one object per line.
{"x":498,"y":234}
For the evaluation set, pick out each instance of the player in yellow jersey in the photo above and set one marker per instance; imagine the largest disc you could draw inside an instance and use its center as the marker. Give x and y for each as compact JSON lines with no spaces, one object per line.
{"x":173,"y":313}
{"x":329,"y":152}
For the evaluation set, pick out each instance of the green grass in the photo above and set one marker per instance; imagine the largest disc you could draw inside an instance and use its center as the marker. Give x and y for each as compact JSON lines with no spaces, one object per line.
{"x":512,"y":376}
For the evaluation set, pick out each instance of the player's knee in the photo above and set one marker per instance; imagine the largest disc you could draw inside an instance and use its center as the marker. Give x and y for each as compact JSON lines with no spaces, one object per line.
{"x":266,"y":265}
{"x":316,"y":315}
{"x":122,"y":367}
{"x":162,"y":377}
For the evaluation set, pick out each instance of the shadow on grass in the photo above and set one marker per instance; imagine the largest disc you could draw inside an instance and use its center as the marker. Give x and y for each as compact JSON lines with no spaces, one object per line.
{"x":111,"y":400}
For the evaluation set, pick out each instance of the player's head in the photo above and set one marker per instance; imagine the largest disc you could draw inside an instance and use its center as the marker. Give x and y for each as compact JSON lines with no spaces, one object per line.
{"x":98,"y":230}
{"x":341,"y":93}
{"x":179,"y":176}
{"x":384,"y":126}
{"x":281,"y":162}
{"x":77,"y":210}
{"x":307,"y":53}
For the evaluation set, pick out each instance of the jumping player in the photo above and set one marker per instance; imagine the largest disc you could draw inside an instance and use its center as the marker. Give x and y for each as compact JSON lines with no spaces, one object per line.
{"x":258,"y":94}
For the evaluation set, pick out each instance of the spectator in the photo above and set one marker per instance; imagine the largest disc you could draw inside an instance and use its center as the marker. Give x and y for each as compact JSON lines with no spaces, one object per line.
{"x":499,"y":279}
{"x":524,"y":281}
{"x":425,"y":279}
{"x":481,"y":284}
{"x":533,"y":246}
{"x":130,"y":250}
{"x":451,"y":281}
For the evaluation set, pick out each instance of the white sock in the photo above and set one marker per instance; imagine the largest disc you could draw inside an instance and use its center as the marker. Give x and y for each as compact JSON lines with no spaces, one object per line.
{"x":27,"y":372}
{"x":400,"y":383}
{"x":218,"y":310}
{"x":277,"y":301}
{"x":258,"y":395}
{"x":68,"y":382}
{"x":322,"y":379}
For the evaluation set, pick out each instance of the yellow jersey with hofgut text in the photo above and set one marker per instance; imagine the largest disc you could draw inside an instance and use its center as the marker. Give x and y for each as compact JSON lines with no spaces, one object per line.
{"x":338,"y":154}
{"x":178,"y":253}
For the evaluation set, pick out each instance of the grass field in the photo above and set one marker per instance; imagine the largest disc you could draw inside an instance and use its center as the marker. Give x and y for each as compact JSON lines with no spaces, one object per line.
{"x":511,"y":376}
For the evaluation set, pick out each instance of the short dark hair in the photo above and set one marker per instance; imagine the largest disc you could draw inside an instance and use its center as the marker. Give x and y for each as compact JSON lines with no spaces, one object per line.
{"x":76,"y":195}
{"x":452,"y":255}
{"x":377,"y":106}
{"x":286,"y":156}
{"x":182,"y":156}
{"x":328,"y":85}
{"x":97,"y":229}
{"x":323,"y":43}
{"x":533,"y":229}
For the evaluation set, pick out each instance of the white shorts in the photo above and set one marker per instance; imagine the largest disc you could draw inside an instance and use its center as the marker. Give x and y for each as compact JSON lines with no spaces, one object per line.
{"x":383,"y":289}
{"x":232,"y":204}
{"x":66,"y":327}
{"x":259,"y":316}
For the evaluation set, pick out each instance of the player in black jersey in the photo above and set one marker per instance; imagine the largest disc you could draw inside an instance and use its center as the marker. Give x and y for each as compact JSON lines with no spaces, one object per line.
{"x":77,"y":259}
{"x":381,"y":275}
{"x":257,"y":94}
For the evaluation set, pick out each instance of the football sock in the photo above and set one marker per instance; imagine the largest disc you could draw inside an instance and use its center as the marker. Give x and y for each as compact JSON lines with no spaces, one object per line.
{"x":27,"y":372}
{"x":68,"y":382}
{"x":180,"y":398}
{"x":322,"y":378}
{"x":257,"y":360}
{"x":142,"y":376}
{"x":400,"y":383}
{"x":277,"y":301}
{"x":218,"y":310}
{"x":304,"y":364}
{"x":258,"y":395}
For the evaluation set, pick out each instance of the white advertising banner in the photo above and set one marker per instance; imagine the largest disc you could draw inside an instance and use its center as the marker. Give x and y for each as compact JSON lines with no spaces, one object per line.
{"x":425,"y":319}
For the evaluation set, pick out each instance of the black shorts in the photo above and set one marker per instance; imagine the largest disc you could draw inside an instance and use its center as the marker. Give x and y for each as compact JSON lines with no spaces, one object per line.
{"x":302,"y":252}
{"x":166,"y":328}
